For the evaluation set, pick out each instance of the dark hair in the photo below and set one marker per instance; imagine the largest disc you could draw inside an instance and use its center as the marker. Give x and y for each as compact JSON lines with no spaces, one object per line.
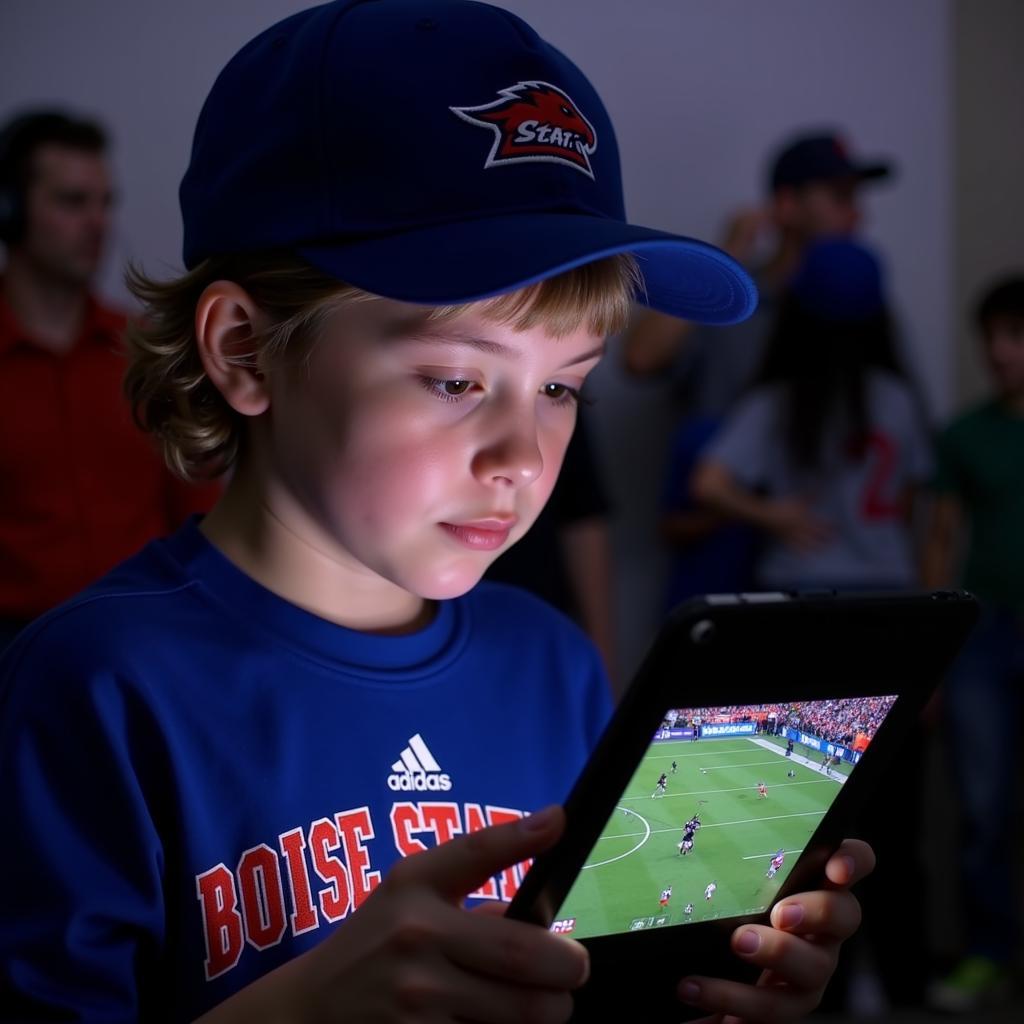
{"x":1004,"y":299}
{"x":19,"y":140}
{"x":821,"y":366}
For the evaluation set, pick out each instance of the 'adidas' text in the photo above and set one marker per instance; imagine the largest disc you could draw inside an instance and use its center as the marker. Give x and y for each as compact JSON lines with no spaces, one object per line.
{"x":419,"y":782}
{"x":416,"y":770}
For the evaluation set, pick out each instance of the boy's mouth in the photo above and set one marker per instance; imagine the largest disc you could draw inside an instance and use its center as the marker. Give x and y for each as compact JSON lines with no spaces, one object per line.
{"x":481,"y":534}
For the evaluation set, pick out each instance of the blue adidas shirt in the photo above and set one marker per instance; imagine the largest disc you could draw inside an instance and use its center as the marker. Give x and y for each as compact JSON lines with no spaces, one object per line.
{"x":199,"y":780}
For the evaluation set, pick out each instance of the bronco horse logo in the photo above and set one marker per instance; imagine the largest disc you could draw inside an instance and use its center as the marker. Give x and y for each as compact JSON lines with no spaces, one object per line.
{"x":534,"y":121}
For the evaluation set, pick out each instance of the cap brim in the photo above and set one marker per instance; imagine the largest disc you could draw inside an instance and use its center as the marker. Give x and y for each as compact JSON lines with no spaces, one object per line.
{"x":869,"y":172}
{"x":451,"y":264}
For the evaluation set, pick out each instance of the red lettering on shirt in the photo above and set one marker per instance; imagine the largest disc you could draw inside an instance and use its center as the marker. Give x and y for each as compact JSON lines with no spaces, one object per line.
{"x":335,"y":900}
{"x":878,"y":504}
{"x":405,"y":820}
{"x":304,"y":915}
{"x":250,"y":905}
{"x":259,"y":879}
{"x":354,"y":827}
{"x":222,"y":923}
{"x":443,"y":819}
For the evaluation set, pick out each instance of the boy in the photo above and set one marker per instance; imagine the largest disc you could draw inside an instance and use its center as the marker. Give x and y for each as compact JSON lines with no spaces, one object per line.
{"x":269,"y":721}
{"x":977,"y":511}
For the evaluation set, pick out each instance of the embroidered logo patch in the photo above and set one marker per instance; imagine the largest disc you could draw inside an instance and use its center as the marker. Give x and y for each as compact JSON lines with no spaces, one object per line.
{"x":535,"y":121}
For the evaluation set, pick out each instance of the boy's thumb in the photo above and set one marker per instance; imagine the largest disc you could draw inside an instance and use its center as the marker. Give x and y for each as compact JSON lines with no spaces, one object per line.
{"x":464,"y":864}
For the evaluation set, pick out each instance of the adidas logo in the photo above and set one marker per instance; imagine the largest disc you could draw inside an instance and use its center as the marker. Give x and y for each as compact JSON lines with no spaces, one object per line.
{"x":417,"y":770}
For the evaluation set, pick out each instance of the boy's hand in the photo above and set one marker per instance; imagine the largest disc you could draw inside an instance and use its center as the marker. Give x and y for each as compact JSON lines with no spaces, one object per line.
{"x":412,"y":952}
{"x":798,"y":953}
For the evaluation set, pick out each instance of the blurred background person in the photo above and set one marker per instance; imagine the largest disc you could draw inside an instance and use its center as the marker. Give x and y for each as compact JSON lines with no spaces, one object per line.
{"x":976,"y":540}
{"x":80,"y":486}
{"x":825,"y":453}
{"x":813,"y":187}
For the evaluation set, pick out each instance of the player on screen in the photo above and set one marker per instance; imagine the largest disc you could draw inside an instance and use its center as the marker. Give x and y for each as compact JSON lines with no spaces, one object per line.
{"x":662,"y":783}
{"x":686,"y":844}
{"x":666,"y":895}
{"x":688,"y":909}
{"x":776,"y":863}
{"x":675,"y":767}
{"x":791,"y":774}
{"x":710,"y":890}
{"x":789,"y":747}
{"x":762,"y":790}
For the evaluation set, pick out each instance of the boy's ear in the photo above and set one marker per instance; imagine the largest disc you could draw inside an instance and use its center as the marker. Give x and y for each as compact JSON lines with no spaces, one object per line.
{"x":227,"y":322}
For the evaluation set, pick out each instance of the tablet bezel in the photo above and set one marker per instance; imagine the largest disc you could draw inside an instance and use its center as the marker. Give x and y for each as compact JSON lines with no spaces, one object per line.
{"x":740,"y":649}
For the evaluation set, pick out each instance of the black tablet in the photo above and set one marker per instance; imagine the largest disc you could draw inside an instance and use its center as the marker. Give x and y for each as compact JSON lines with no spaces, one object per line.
{"x":754,"y":729}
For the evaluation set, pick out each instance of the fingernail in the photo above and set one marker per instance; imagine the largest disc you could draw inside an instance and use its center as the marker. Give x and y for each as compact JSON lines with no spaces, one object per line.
{"x":748,"y":942}
{"x":539,"y":821}
{"x":689,"y":991}
{"x":791,"y":915}
{"x":847,"y":862}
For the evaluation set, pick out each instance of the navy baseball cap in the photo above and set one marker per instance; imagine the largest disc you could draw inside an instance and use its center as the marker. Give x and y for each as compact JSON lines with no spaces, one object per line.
{"x":432,"y":151}
{"x":821,"y":157}
{"x":839,"y":280}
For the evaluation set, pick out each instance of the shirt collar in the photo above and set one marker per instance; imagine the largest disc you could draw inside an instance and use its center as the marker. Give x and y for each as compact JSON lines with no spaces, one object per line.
{"x":100,"y":326}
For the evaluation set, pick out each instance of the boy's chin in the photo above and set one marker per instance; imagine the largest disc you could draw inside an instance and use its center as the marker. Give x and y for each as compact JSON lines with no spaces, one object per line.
{"x":451,"y":584}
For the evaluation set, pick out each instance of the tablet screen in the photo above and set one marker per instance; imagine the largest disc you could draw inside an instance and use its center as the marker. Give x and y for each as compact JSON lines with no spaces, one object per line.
{"x":718,"y":812}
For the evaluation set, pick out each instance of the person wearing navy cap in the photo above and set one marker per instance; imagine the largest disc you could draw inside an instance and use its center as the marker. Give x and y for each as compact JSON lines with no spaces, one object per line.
{"x":265,"y":768}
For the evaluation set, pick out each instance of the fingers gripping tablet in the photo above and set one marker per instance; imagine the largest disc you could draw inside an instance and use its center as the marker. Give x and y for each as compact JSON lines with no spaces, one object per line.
{"x":754,"y":729}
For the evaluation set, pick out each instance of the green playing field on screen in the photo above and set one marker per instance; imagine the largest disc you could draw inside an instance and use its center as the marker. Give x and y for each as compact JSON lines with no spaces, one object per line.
{"x":717,"y":813}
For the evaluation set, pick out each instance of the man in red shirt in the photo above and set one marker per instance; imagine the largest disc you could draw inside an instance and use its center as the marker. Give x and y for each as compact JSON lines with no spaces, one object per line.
{"x":80,"y":486}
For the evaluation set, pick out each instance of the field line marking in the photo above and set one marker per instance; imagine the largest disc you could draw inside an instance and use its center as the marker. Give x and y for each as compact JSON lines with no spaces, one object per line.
{"x":716,"y":824}
{"x":628,"y":853}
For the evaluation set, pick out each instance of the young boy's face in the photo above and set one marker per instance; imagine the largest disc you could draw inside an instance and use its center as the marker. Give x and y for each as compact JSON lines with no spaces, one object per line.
{"x":420,"y":451}
{"x":1004,"y":350}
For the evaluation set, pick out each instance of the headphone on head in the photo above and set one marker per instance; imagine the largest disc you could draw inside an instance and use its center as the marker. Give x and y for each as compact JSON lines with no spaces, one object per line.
{"x":12,"y":199}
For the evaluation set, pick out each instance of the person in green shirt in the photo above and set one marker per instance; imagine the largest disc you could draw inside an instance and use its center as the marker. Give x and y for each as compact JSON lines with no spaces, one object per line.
{"x":977,"y":522}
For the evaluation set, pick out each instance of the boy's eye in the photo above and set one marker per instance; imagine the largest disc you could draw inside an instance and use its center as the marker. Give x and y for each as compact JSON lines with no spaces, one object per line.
{"x":561,"y":393}
{"x":446,"y":390}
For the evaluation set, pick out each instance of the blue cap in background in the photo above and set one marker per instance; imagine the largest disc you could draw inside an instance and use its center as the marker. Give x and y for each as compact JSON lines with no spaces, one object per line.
{"x":839,"y":280}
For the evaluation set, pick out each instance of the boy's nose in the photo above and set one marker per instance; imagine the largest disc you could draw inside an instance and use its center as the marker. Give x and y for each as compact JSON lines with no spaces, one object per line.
{"x":513,"y":458}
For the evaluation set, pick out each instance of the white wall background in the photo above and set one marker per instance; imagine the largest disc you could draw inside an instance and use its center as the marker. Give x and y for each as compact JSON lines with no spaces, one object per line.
{"x":699,"y":93}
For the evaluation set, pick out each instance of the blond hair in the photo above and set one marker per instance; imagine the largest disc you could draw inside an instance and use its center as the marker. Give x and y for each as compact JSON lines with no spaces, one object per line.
{"x":201,"y":435}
